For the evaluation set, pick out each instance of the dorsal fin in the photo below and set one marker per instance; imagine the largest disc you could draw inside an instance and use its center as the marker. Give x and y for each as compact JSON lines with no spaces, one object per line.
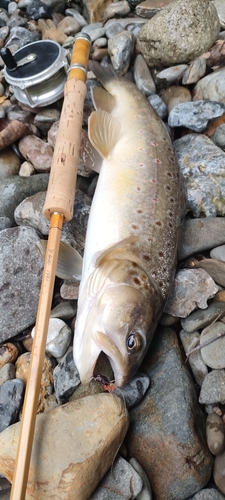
{"x":103,"y":99}
{"x":103,"y":131}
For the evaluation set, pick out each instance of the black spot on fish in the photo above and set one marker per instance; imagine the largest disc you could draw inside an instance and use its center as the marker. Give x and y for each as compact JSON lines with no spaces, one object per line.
{"x":158,"y":223}
{"x":168,"y":188}
{"x":146,"y":257}
{"x":161,"y":254}
{"x":137,"y":281}
{"x":169,"y":174}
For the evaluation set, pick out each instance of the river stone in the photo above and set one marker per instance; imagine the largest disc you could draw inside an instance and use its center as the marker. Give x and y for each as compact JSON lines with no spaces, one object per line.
{"x":120,"y":49}
{"x":198,"y":235}
{"x":215,"y":433}
{"x":14,"y":189}
{"x":201,"y":318}
{"x":179,"y":33}
{"x":208,"y":494}
{"x":219,"y":472}
{"x":20,"y":279}
{"x":211,"y":87}
{"x":220,"y":7}
{"x":195,"y":114}
{"x":29,"y":213}
{"x":122,"y":482}
{"x":202,"y":165}
{"x":37,"y":151}
{"x":9,"y":163}
{"x":196,"y":363}
{"x":218,"y":253}
{"x":74,"y":446}
{"x":11,"y":398}
{"x":213,"y":354}
{"x":167,"y":429}
{"x":213,"y":388}
{"x":190,"y":289}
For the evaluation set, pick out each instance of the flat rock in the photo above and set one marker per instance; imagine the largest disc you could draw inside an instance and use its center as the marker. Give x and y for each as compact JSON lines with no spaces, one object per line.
{"x":143,"y":77}
{"x":202,"y":165}
{"x":166,"y":428}
{"x":199,"y":235}
{"x":195,"y":71}
{"x":195,"y":115}
{"x":191,"y":288}
{"x":20,"y":279}
{"x":196,"y":363}
{"x":213,"y":354}
{"x":14,"y":189}
{"x":179,"y":33}
{"x":59,"y":469}
{"x":201,"y":318}
{"x":211,"y":87}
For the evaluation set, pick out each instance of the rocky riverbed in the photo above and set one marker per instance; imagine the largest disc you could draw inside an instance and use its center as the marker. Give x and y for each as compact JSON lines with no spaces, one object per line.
{"x":162,"y":436}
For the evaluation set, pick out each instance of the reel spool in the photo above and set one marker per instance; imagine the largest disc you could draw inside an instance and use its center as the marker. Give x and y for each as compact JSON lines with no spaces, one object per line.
{"x":37,"y":72}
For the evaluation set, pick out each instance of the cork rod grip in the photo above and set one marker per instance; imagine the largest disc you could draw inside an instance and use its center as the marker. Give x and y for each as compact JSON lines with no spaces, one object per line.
{"x":62,"y":181}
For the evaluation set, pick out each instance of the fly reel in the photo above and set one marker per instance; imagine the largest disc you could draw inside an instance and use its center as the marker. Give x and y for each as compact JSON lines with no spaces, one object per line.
{"x":37,"y":72}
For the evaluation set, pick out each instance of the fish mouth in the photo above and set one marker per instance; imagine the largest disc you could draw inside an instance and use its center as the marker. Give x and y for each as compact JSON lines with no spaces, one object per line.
{"x":115,"y":357}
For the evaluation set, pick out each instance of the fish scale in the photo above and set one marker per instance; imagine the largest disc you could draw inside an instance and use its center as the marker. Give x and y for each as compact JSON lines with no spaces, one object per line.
{"x":133,"y":224}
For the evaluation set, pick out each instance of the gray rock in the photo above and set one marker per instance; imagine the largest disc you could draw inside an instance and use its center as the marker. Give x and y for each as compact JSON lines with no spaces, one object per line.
{"x":58,"y":337}
{"x":113,"y":29}
{"x":7,"y":372}
{"x":195,"y":71}
{"x":213,"y":354}
{"x":158,"y":105}
{"x":121,"y":482}
{"x":219,"y":4}
{"x":172,"y":74}
{"x":64,"y":310}
{"x":218,"y":253}
{"x":76,"y":14}
{"x":146,"y":492}
{"x":218,"y":472}
{"x":30,"y":213}
{"x":208,"y":494}
{"x":198,"y":235}
{"x":66,"y":377}
{"x":191,"y":288}
{"x":134,"y":391}
{"x":202,"y":166}
{"x":197,"y":365}
{"x":195,"y":115}
{"x":143,"y":77}
{"x":211,"y":87}
{"x":14,"y":189}
{"x":11,"y":398}
{"x":9,"y":163}
{"x":94,"y":30}
{"x":45,"y":119}
{"x":20,"y":279}
{"x":215,"y":435}
{"x":219,"y":136}
{"x":148,"y":9}
{"x":179,"y":33}
{"x":117,"y":9}
{"x":120,"y":49}
{"x":167,"y":427}
{"x":201,"y":318}
{"x":22,"y":36}
{"x":213,"y":388}
{"x":5,"y":222}
{"x":215,"y":268}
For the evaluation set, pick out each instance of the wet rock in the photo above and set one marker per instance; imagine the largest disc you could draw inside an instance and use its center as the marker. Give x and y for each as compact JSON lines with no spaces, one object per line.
{"x":21,"y":36}
{"x":117,"y":9}
{"x":166,"y":428}
{"x":195,"y":71}
{"x":211,"y":87}
{"x":213,"y":353}
{"x":172,"y":74}
{"x":197,"y":365}
{"x":14,"y":189}
{"x":198,"y":235}
{"x":195,"y":115}
{"x":213,"y":388}
{"x":219,"y":472}
{"x":201,"y":318}
{"x":134,"y":391}
{"x":215,"y":434}
{"x":146,"y":492}
{"x":143,"y":77}
{"x":11,"y":397}
{"x":121,"y":482}
{"x":38,"y":152}
{"x":46,"y":389}
{"x":202,"y":165}
{"x":9,"y":163}
{"x":120,"y":50}
{"x":191,"y":288}
{"x":29,"y":213}
{"x":8,"y":353}
{"x":219,"y":136}
{"x":179,"y":33}
{"x":58,"y":337}
{"x":66,"y":377}
{"x":7,"y":372}
{"x":158,"y":105}
{"x":20,"y":279}
{"x":174,"y":95}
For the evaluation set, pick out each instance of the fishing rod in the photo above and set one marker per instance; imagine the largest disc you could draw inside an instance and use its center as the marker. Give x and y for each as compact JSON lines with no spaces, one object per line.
{"x":58,"y":209}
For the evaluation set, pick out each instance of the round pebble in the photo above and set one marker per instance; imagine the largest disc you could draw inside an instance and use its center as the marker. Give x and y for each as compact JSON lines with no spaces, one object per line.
{"x":215,"y":433}
{"x":58,"y":337}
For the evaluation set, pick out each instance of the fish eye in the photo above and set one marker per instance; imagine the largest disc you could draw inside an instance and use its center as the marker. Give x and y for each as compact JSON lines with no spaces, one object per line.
{"x":133,"y":341}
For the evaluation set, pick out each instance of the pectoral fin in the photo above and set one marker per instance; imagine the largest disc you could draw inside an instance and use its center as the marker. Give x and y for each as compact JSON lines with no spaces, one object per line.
{"x":103,"y":131}
{"x":69,"y":260}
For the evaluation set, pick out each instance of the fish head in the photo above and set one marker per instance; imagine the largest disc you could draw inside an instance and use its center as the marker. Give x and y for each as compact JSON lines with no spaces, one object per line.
{"x":121,"y":325}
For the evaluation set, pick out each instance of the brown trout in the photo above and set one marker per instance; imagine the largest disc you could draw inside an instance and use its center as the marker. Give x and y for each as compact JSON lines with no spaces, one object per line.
{"x":132,"y":235}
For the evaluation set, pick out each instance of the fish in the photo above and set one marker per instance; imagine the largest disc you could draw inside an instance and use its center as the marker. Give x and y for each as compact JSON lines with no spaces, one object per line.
{"x":131,"y":242}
